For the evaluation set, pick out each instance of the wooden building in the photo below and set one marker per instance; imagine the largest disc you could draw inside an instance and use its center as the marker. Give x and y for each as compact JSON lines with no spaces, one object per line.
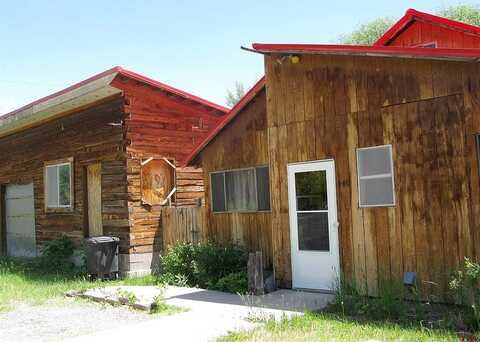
{"x":371,"y":153}
{"x":100,"y":158}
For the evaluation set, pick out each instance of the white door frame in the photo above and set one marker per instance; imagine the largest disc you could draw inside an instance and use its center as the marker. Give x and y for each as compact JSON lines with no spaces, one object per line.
{"x":304,"y":263}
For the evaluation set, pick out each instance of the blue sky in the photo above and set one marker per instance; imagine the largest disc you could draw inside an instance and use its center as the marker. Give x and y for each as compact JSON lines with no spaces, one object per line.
{"x":193,"y":45}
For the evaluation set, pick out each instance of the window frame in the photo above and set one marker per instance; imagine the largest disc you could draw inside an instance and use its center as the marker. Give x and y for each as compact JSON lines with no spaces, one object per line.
{"x":429,"y":45}
{"x":379,"y":176}
{"x":59,"y":207}
{"x":225,"y":190}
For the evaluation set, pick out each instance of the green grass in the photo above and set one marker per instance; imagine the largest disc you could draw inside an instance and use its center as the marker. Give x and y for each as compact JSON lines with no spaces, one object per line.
{"x":21,"y":280}
{"x":165,"y":309}
{"x":330,"y":327}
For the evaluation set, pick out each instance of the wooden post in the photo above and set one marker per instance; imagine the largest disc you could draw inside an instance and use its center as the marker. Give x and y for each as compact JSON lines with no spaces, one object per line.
{"x":255,"y":273}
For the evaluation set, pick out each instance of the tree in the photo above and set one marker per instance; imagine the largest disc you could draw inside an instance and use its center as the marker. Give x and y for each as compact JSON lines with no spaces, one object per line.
{"x":368,"y":33}
{"x":469,"y":14}
{"x":234,"y":96}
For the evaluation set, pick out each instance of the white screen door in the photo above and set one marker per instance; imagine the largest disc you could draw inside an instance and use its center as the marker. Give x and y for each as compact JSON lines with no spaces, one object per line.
{"x":313,"y":225}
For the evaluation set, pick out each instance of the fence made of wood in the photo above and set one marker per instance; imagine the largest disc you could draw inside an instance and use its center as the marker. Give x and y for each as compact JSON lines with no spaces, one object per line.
{"x":183,"y":225}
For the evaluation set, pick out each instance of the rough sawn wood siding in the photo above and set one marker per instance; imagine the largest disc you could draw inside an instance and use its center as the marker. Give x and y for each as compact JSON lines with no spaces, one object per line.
{"x":243,"y":143}
{"x":326,"y":107}
{"x":422,"y":32}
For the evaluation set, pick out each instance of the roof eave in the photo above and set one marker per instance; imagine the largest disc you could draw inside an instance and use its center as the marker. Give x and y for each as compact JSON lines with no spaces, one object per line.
{"x":80,"y":95}
{"x":464,"y":55}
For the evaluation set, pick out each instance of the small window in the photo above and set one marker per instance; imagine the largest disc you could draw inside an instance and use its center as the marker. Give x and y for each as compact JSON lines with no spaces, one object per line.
{"x":240,"y":190}
{"x":58,"y":184}
{"x":375,"y":176}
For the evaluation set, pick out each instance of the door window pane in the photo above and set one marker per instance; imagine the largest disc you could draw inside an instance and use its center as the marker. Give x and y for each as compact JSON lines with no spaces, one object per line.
{"x":218,"y":192}
{"x":263,"y":188}
{"x":240,"y":187}
{"x":311,"y":190}
{"x":313,"y":231}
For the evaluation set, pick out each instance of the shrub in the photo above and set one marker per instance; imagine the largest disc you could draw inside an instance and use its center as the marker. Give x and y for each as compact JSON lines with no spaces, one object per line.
{"x":214,"y":261}
{"x":57,"y":256}
{"x":205,"y":265}
{"x":178,"y":263}
{"x":233,"y":282}
{"x":465,"y":286}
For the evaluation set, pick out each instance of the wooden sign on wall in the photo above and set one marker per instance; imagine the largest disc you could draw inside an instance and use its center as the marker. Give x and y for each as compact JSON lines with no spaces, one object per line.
{"x":157,"y":178}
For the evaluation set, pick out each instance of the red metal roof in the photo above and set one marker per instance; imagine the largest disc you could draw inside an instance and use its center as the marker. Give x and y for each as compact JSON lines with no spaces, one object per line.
{"x":412,"y":15}
{"x":129,"y":74}
{"x":367,"y":50}
{"x":245,"y":100}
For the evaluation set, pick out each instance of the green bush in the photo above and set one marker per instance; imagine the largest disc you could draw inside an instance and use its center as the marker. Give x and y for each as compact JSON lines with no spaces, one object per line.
{"x":214,"y":261}
{"x":465,"y":286}
{"x":233,"y":282}
{"x":178,"y":263}
{"x":57,"y":256}
{"x":205,"y":265}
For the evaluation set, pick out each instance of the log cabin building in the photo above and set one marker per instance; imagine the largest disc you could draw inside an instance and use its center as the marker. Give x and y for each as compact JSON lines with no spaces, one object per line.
{"x":100,"y":158}
{"x":361,"y":161}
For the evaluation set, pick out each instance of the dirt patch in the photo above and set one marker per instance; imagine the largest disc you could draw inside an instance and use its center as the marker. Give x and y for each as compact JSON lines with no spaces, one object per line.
{"x":58,"y":320}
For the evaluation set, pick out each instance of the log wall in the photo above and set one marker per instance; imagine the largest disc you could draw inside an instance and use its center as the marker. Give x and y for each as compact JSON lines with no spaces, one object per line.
{"x":89,"y":136}
{"x":159,"y":124}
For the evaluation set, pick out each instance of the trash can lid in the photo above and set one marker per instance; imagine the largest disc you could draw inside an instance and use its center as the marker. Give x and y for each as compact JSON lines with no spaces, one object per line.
{"x":101,"y":239}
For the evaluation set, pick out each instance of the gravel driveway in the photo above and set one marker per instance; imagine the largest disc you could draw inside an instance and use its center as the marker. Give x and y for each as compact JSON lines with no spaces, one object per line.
{"x":59,"y":320}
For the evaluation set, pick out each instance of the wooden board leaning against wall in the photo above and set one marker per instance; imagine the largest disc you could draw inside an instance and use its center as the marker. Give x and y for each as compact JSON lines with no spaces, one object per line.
{"x":326,"y":107}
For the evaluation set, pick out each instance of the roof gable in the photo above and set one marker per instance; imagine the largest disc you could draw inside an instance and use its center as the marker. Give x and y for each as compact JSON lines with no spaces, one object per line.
{"x":417,"y":28}
{"x":237,"y":109}
{"x":87,"y":92}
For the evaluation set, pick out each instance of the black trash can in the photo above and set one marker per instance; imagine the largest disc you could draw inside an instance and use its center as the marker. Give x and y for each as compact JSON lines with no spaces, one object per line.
{"x":102,"y":257}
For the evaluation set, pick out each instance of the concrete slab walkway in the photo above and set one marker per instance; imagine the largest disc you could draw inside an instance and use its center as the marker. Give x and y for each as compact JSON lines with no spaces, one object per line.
{"x":211,"y":313}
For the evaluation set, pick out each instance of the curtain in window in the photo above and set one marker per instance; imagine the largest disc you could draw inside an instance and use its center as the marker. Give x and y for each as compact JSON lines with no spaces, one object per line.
{"x":241,"y":193}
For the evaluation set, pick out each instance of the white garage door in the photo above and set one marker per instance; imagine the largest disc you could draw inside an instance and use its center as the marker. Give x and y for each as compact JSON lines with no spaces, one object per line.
{"x":20,"y":217}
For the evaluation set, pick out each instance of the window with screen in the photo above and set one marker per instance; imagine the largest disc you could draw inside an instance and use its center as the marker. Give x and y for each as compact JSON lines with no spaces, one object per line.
{"x":375,"y":176}
{"x":240,"y":190}
{"x":58,"y":184}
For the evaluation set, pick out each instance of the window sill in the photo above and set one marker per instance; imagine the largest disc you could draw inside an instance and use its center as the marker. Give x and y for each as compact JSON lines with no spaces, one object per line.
{"x":242,"y":212}
{"x":58,"y":210}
